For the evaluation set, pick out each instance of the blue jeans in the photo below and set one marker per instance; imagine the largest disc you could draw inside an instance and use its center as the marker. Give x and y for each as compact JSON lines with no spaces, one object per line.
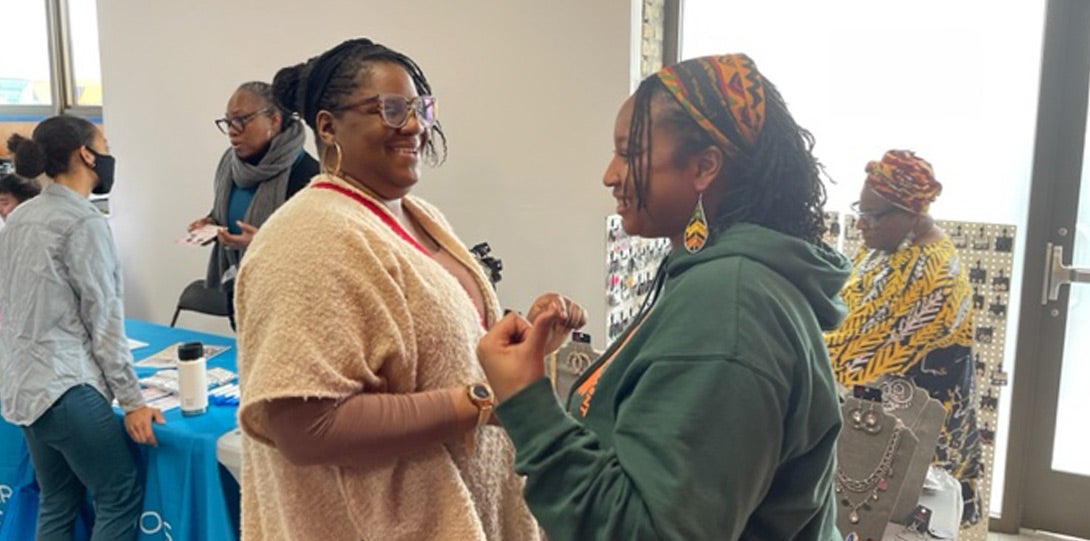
{"x":79,"y":444}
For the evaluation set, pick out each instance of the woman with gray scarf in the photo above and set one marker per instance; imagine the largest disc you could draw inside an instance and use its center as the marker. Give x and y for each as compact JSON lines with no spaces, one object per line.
{"x":264,"y":167}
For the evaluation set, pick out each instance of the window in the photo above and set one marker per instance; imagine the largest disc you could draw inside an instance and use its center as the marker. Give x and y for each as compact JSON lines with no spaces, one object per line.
{"x":51,"y":66}
{"x":24,"y":76}
{"x":84,"y":58}
{"x":51,"y":60}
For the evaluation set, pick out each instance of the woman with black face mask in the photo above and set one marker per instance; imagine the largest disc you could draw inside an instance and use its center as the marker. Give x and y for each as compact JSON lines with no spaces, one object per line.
{"x":63,"y":352}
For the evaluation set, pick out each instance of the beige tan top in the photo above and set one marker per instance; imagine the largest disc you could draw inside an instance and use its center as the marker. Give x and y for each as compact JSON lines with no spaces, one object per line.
{"x":331,"y":304}
{"x":369,"y":427}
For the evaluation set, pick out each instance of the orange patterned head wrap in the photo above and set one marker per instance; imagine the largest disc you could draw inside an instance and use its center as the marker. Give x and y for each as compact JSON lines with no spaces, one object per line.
{"x":904,"y":179}
{"x":723,"y":94}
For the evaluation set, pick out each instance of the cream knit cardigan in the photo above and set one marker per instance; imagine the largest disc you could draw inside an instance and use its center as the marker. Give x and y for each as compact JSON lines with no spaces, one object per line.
{"x":331,"y":302}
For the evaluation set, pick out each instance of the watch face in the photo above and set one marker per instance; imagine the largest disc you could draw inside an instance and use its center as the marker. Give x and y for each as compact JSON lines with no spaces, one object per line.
{"x":480,"y":392}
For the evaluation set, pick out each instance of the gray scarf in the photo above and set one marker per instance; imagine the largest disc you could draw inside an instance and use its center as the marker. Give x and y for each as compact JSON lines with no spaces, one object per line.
{"x":271,"y":178}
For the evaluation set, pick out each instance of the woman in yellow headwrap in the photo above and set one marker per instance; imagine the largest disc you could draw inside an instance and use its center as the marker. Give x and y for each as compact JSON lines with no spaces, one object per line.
{"x":909,"y":309}
{"x":715,"y":415}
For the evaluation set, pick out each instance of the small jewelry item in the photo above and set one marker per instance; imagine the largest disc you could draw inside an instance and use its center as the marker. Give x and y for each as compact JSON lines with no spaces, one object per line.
{"x":873,"y":484}
{"x":481,"y":395}
{"x":872,"y":422}
{"x":869,"y":420}
{"x":696,"y":232}
{"x":856,"y":417}
{"x":897,"y":393}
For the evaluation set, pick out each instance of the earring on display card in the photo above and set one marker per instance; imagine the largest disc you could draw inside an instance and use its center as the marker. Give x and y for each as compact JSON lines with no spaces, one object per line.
{"x":872,"y":421}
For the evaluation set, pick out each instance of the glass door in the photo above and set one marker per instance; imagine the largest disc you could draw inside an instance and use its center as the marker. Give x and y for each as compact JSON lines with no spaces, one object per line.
{"x":1052,"y":398}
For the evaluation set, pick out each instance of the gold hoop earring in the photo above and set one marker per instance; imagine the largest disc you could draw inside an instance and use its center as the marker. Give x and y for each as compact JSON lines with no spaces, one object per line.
{"x":336,"y":170}
{"x":696,"y":233}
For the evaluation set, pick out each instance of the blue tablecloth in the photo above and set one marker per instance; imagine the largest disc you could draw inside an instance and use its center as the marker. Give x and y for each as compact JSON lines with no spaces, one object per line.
{"x":16,"y":472}
{"x":187,"y":494}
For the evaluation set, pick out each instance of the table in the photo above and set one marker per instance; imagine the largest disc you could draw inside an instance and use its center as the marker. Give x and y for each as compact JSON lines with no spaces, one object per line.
{"x":187,"y":494}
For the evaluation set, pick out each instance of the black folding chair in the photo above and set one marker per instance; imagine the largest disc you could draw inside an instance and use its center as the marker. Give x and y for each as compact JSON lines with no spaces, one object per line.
{"x":198,"y":298}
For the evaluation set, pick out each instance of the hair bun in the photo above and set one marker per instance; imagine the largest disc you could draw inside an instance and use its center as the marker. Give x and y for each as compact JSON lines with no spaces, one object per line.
{"x":15,"y":141}
{"x":286,"y":88}
{"x":29,"y":156}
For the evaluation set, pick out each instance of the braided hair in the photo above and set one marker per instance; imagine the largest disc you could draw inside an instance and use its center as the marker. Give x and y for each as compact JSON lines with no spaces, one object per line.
{"x":775,"y":183}
{"x":325,"y":82}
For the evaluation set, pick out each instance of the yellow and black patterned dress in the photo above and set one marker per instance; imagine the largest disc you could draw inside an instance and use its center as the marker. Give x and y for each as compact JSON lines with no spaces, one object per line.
{"x":909,"y":314}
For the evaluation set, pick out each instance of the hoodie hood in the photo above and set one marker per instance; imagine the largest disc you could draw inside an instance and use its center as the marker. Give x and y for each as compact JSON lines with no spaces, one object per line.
{"x":819,"y":272}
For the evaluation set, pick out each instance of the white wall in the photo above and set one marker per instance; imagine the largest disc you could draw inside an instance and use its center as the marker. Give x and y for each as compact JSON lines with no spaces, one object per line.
{"x":528,"y":93}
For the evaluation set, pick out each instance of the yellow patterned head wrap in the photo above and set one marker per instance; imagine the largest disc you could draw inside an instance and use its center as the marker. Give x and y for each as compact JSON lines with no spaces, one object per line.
{"x":904,"y":179}
{"x":723,"y":94}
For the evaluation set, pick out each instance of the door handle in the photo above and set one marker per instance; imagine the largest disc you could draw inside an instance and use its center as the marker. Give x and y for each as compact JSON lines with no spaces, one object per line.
{"x":1058,"y":274}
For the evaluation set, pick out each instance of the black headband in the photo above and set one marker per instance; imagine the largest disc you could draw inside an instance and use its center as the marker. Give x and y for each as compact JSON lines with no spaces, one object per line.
{"x":322,"y":71}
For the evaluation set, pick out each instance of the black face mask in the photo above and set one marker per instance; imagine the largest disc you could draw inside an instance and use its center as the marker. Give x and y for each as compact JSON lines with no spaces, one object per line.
{"x":104,"y":168}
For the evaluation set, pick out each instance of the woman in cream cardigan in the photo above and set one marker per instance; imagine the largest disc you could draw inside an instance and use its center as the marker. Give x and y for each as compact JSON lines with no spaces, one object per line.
{"x":364,"y":408}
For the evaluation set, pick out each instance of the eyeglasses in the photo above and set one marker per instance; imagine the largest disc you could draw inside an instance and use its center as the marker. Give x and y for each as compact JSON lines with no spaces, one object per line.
{"x":394,"y":109}
{"x":238,"y":122}
{"x":871,"y":218}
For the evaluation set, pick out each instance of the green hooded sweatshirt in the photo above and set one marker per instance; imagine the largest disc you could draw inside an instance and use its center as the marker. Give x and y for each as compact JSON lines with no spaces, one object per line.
{"x":717,"y":420}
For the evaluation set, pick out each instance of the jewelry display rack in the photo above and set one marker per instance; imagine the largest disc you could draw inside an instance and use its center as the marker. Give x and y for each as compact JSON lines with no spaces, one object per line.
{"x":874,"y":452}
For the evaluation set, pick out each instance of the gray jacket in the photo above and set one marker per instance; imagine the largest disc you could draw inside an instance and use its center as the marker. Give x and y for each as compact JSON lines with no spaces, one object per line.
{"x":61,"y":315}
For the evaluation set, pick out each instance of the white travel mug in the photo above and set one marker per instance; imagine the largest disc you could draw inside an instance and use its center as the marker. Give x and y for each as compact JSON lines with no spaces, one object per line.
{"x":192,"y":379}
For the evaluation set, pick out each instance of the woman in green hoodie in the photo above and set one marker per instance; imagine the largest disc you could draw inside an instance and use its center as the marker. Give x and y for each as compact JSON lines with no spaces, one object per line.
{"x":715,"y":415}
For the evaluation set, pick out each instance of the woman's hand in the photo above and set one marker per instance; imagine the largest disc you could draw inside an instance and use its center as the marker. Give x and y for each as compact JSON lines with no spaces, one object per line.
{"x":513,"y":352}
{"x":199,"y":223}
{"x":138,"y":424}
{"x":572,"y":317}
{"x":239,"y":241}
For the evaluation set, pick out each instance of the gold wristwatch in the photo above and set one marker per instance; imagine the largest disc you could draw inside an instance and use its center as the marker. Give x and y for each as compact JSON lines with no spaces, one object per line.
{"x":482,"y":396}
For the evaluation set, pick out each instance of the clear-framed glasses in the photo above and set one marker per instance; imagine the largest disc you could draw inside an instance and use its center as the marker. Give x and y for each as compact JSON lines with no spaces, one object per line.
{"x":394,"y":109}
{"x":870,"y":219}
{"x":238,"y":123}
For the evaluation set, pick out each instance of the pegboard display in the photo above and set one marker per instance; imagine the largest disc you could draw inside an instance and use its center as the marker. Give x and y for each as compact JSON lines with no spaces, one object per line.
{"x":833,"y":228}
{"x":631,"y":263}
{"x":987,"y":250}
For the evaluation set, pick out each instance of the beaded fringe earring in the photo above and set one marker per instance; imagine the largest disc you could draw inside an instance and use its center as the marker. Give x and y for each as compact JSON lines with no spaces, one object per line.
{"x":696,"y":233}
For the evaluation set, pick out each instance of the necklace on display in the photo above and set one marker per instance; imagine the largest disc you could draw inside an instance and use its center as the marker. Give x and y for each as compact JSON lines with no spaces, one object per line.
{"x":871,"y":485}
